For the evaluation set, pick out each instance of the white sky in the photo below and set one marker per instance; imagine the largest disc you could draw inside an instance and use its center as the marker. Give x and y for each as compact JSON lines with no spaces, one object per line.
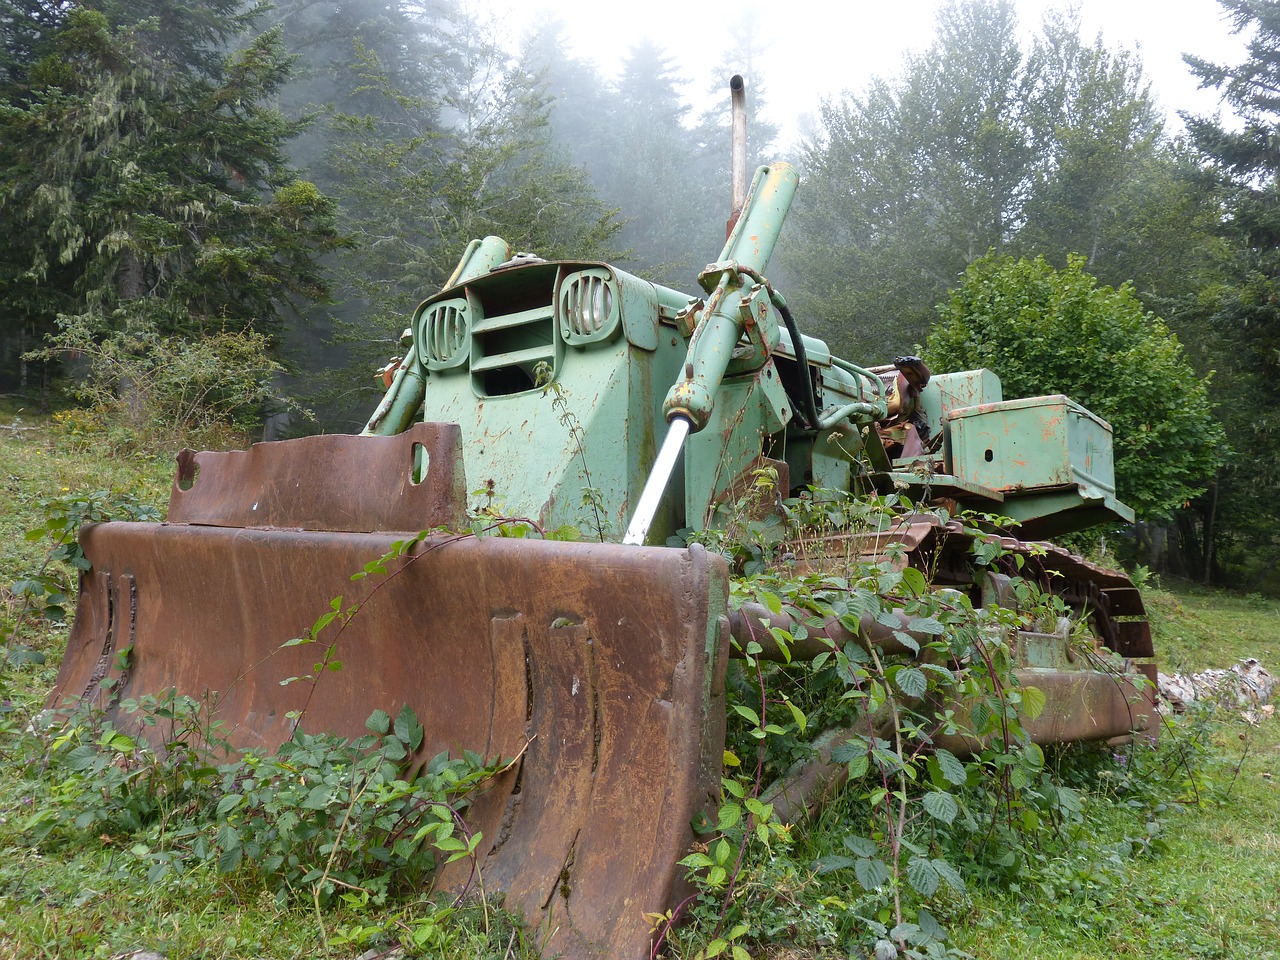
{"x":818,"y":49}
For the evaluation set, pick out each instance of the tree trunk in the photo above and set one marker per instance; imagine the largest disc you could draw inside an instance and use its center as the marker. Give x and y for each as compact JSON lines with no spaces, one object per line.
{"x":1209,"y":525}
{"x":22,"y":359}
{"x":130,"y":282}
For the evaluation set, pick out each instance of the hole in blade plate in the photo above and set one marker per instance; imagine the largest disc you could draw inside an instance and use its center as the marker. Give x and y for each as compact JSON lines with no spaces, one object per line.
{"x":421,"y":464}
{"x":188,"y":470}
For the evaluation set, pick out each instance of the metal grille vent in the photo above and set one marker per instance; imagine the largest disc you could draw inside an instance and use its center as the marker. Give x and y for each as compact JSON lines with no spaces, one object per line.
{"x":587,"y":304}
{"x":445,"y":335}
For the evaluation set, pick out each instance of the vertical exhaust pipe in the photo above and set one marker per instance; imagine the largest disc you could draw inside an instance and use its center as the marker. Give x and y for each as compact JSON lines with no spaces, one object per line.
{"x":738,"y":158}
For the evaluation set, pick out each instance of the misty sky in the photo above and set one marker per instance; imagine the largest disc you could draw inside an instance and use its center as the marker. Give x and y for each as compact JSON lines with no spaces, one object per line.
{"x":823,"y":48}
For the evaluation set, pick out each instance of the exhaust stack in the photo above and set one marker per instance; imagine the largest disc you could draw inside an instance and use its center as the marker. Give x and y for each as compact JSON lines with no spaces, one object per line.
{"x":738,"y":159}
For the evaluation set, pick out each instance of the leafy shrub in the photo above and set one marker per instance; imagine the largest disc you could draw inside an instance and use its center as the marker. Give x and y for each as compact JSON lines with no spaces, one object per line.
{"x":915,"y":824}
{"x":157,"y":392}
{"x":321,"y":815}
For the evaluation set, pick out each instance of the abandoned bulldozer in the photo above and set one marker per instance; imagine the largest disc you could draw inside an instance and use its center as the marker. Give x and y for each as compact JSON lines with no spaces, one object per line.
{"x":574,"y":394}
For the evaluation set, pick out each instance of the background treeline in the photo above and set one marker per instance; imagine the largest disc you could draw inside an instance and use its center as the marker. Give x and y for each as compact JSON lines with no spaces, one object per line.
{"x":226,"y":211}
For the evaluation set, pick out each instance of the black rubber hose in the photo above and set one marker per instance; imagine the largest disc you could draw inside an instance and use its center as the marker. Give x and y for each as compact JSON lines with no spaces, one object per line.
{"x":797,"y":345}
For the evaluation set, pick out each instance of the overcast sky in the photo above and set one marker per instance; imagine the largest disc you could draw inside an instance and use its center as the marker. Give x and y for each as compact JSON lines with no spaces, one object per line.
{"x":816,"y":50}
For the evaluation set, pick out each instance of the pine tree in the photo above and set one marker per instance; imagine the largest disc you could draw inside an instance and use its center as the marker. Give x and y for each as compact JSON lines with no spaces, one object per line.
{"x":1241,"y":317}
{"x":27,"y":306}
{"x":648,"y":172}
{"x":471,"y":160}
{"x":148,"y":175}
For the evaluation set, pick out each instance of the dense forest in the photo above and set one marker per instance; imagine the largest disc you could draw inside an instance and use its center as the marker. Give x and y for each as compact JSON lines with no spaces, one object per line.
{"x":229,"y":208}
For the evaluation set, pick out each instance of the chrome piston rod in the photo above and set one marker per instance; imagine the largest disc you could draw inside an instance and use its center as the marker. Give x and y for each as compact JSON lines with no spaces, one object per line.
{"x":659,"y":476}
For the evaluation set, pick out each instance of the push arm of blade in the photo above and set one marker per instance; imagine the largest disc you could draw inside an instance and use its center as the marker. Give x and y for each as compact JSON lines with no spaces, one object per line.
{"x":689,"y":403}
{"x":657,"y":482}
{"x":400,"y":403}
{"x":746,"y":253}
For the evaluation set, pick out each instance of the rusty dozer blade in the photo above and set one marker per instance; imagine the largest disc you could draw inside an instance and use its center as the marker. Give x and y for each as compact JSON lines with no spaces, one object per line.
{"x":604,"y":663}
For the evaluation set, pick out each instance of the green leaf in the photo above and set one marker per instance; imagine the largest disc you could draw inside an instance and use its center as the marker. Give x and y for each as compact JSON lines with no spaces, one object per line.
{"x":911,"y":681}
{"x":941,"y":806}
{"x":915,"y":582}
{"x":722,"y":851}
{"x":229,"y":859}
{"x":317,"y":799}
{"x":832,"y":862}
{"x":379,"y":722}
{"x":871,"y":873}
{"x":859,"y":764}
{"x":907,"y":640}
{"x":952,"y":769}
{"x":119,"y":742}
{"x":743,"y":711}
{"x":1034,"y":754}
{"x":860,"y":846}
{"x":408,"y":729}
{"x":922,"y":876}
{"x":730,"y":816}
{"x":950,"y":874}
{"x":928,"y":625}
{"x":323,"y":621}
{"x":1033,"y":701}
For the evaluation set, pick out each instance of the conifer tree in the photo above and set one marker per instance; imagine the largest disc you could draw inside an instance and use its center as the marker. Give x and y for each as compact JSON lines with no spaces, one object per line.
{"x":143,"y":169}
{"x":1240,"y":319}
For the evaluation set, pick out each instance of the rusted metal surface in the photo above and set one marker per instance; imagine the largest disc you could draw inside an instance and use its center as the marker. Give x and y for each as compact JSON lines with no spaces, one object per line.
{"x":604,"y":664}
{"x":1082,"y":705}
{"x":1106,"y":597}
{"x":334,"y":482}
{"x":605,"y":660}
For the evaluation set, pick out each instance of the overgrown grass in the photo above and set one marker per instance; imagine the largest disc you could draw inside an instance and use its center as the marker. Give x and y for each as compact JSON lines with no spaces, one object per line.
{"x":1212,"y":889}
{"x":1184,"y":864}
{"x":1196,"y":628}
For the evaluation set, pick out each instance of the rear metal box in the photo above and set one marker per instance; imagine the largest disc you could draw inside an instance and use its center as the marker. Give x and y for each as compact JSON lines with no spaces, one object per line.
{"x":1037,"y":443}
{"x":952,"y":391}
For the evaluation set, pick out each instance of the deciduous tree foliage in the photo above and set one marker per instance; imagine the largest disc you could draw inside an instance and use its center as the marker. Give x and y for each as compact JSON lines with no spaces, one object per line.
{"x":1103,"y":128}
{"x":984,"y":143}
{"x":646,"y":171}
{"x":1045,"y":331}
{"x":911,"y":180}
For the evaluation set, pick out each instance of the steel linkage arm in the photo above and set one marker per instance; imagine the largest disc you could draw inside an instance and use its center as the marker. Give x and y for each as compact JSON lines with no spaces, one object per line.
{"x":733,"y":308}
